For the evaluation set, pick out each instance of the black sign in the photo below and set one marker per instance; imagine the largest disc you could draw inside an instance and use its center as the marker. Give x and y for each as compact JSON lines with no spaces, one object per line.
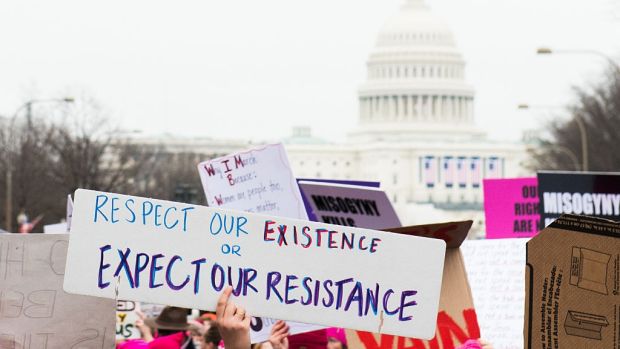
{"x":581,"y":193}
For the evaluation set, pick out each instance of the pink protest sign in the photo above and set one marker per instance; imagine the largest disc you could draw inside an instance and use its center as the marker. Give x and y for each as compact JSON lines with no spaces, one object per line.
{"x":511,"y":207}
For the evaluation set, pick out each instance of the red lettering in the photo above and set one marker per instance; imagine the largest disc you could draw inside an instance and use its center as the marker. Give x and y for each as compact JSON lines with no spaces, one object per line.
{"x":218,"y":199}
{"x":268,"y":230}
{"x":448,"y":327}
{"x":225,"y":162}
{"x":238,"y":161}
{"x":450,"y":333}
{"x":209,"y":169}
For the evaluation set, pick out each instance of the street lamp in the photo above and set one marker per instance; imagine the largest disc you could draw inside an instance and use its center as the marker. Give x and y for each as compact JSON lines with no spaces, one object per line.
{"x":7,"y":151}
{"x":582,"y":132}
{"x":548,"y":51}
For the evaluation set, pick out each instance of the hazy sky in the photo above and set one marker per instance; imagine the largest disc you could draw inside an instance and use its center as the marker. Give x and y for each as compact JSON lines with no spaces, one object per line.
{"x":254,"y":69}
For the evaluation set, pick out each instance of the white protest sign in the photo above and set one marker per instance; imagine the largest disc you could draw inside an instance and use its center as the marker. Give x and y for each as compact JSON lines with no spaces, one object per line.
{"x":57,"y":228}
{"x":163,"y":252}
{"x":496,"y":273}
{"x":69,"y":212}
{"x":258,"y":181}
{"x":34,"y":310}
{"x":350,"y":205}
{"x":126,"y":317}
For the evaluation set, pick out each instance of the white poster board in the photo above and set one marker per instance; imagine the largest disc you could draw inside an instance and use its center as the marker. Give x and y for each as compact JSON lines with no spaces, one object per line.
{"x":126,"y":317}
{"x":164,"y":252}
{"x":257,"y":180}
{"x":58,"y":228}
{"x":496,"y":273}
{"x":34,"y":310}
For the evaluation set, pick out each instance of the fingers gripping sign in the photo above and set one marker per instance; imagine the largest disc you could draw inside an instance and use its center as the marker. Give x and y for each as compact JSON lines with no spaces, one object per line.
{"x":279,"y":335}
{"x":232,"y":322}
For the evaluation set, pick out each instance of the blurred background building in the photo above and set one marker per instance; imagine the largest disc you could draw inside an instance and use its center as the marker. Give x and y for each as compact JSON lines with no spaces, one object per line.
{"x":416,"y":130}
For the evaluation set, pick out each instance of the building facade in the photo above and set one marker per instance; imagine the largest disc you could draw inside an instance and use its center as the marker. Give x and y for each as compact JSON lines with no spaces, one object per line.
{"x":416,"y":130}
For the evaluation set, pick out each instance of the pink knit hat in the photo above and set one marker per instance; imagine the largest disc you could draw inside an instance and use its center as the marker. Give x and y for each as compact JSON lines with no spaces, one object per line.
{"x":471,"y":344}
{"x":337,"y":334}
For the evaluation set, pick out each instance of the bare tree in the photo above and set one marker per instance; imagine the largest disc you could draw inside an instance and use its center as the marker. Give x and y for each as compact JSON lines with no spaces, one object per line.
{"x":175,"y":177}
{"x":595,"y":119}
{"x":82,"y":149}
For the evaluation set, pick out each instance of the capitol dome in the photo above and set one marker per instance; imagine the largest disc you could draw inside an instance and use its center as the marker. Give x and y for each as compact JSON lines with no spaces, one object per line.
{"x":415,"y":84}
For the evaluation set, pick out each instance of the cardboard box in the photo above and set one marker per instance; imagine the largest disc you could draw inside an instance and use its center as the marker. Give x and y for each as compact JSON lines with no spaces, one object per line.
{"x":456,"y":321}
{"x":573,"y":284}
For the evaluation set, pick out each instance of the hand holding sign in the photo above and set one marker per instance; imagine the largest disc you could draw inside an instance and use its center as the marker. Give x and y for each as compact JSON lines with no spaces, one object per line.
{"x":232,"y":322}
{"x":279,"y":335}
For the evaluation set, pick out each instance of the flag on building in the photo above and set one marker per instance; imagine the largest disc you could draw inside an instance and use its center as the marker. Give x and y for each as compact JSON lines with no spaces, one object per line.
{"x":448,"y":171}
{"x":493,"y":167}
{"x":476,"y":172}
{"x":430,"y":171}
{"x":461,"y":169}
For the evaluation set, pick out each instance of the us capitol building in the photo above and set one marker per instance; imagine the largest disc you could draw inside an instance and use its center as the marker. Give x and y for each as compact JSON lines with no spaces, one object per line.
{"x":415,"y":134}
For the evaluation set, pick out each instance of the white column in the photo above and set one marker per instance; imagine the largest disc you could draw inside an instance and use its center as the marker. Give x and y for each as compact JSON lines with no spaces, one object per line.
{"x":429,"y":107}
{"x":440,"y":108}
{"x":371,"y":108}
{"x":444,"y":108}
{"x":403,"y":107}
{"x":455,"y":102}
{"x":410,"y":107}
{"x":396,"y":108}
{"x":386,"y":107}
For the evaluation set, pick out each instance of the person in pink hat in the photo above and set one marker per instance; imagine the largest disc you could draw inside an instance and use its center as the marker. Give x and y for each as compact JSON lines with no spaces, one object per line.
{"x":336,"y":338}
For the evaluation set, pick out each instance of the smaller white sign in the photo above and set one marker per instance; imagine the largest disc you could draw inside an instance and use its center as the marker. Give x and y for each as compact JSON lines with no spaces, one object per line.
{"x":257,"y":180}
{"x":261,"y":328}
{"x":496,"y":273}
{"x":126,"y":317}
{"x":58,"y":228}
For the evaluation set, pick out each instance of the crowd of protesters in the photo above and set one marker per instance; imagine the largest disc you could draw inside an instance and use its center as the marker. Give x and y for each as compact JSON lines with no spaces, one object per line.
{"x":229,"y":328}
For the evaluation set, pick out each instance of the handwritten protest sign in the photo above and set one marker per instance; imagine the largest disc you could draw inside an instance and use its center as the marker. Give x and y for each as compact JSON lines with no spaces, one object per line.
{"x":497,"y":279}
{"x":239,"y":181}
{"x":183,"y":255}
{"x":511,"y":207}
{"x":349,"y":205}
{"x":258,"y":181}
{"x":34,"y":310}
{"x":126,"y":317}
